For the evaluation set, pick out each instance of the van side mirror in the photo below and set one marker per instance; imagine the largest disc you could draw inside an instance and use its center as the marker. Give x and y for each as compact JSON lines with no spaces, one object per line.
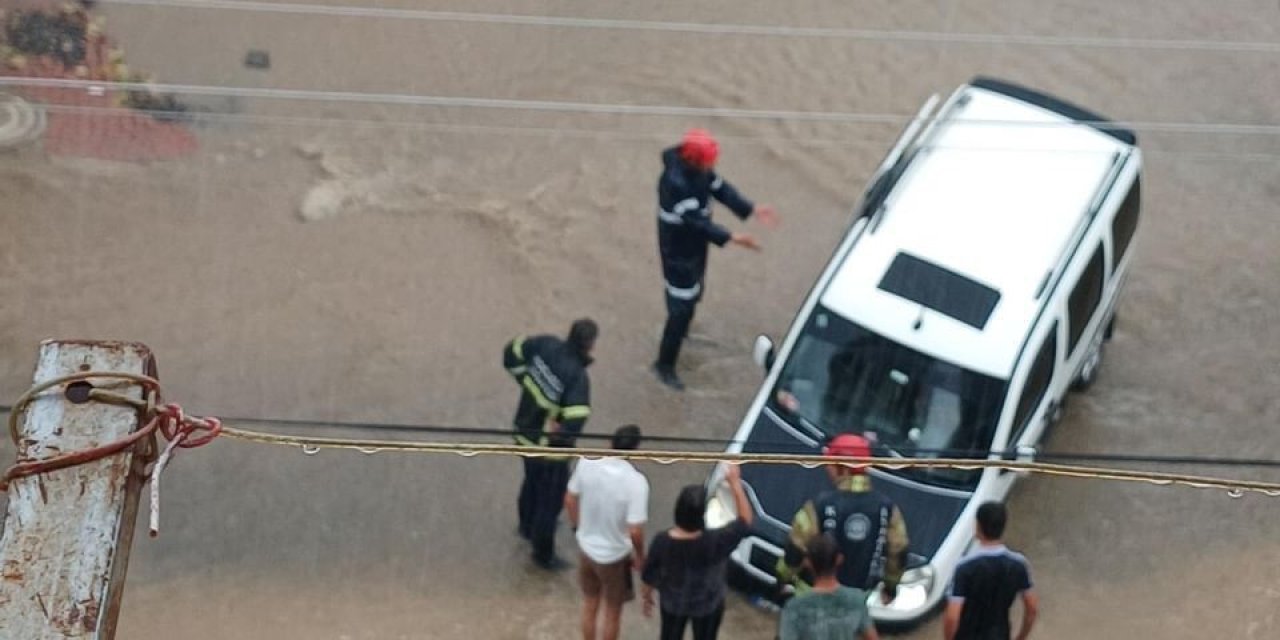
{"x":762,"y":352}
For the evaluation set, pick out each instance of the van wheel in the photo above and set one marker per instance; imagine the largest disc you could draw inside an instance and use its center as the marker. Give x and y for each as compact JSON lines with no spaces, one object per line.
{"x":1089,"y":370}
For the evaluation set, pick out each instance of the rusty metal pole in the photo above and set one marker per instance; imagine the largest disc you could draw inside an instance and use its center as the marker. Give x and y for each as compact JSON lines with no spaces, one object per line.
{"x":65,"y":549}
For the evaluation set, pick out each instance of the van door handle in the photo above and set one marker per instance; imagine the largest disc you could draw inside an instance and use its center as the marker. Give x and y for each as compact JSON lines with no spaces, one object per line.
{"x":1052,"y":413}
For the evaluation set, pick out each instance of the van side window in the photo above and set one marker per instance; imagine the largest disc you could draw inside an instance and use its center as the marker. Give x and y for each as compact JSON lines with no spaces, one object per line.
{"x":1084,"y":299}
{"x":1126,"y":222}
{"x":1037,"y":382}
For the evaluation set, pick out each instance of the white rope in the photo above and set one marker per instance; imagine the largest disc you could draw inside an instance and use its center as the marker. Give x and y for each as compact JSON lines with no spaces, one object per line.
{"x":847,"y":117}
{"x":882,"y":35}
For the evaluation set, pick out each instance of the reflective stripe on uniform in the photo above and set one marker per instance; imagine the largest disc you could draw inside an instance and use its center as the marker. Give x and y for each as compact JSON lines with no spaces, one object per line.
{"x":542,"y":442}
{"x":517,"y":347}
{"x":717,"y":183}
{"x":575,"y":412}
{"x":526,"y":442}
{"x":688,"y":204}
{"x":684,"y":293}
{"x":676,"y":214}
{"x":858,"y":483}
{"x":804,"y":525}
{"x":517,"y":371}
{"x":669,"y":218}
{"x":538,"y":396}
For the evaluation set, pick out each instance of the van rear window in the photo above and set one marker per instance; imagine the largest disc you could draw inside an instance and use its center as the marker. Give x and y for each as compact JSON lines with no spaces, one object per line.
{"x":942,"y":290}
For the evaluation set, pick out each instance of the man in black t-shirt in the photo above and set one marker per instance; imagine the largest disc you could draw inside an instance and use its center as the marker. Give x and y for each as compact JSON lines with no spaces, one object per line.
{"x":986,"y":583}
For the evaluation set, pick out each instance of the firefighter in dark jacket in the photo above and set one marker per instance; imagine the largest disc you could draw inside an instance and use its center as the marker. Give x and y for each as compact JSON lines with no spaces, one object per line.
{"x":555,"y":401}
{"x":685,"y":188}
{"x":867,"y":526}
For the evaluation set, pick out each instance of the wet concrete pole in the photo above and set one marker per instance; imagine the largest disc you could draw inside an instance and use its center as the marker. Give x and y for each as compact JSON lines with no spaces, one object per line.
{"x":65,"y":549}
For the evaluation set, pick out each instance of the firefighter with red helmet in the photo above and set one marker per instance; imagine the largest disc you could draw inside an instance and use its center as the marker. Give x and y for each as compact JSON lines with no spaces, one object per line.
{"x":685,"y":228}
{"x":867,"y":527}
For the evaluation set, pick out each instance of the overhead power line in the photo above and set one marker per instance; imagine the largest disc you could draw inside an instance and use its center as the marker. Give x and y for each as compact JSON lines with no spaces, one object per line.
{"x":196,"y":116}
{"x":780,"y":445}
{"x":400,"y":99}
{"x":312,"y":445}
{"x":835,"y":33}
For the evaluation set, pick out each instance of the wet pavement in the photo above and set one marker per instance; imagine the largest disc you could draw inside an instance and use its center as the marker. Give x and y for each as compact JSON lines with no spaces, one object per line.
{"x":455,"y":229}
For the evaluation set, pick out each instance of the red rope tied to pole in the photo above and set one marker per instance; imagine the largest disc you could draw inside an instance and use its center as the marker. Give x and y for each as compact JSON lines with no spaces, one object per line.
{"x":24,"y":468}
{"x":180,"y":430}
{"x":169,"y":420}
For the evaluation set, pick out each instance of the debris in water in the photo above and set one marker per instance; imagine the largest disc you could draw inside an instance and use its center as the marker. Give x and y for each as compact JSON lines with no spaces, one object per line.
{"x":257,"y":59}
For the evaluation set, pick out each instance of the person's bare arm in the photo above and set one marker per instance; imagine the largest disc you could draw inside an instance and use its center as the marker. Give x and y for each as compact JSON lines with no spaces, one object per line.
{"x":637,"y":543}
{"x":571,"y":507}
{"x":870,"y":633}
{"x":646,"y":595}
{"x":733,"y":477}
{"x":1030,"y":610}
{"x":951,"y":619}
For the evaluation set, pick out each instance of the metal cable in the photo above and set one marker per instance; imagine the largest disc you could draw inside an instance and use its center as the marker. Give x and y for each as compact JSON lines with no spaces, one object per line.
{"x":657,"y":110}
{"x":834,"y":33}
{"x":312,"y":445}
{"x":721,"y":443}
{"x":197,"y":117}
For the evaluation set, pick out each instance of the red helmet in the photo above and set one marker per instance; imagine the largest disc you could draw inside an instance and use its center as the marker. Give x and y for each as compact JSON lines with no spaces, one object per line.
{"x":848,"y":444}
{"x":699,"y":148}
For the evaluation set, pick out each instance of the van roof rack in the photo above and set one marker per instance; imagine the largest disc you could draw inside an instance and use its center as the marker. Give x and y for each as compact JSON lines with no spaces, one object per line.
{"x":1078,"y":233}
{"x":896,"y":161}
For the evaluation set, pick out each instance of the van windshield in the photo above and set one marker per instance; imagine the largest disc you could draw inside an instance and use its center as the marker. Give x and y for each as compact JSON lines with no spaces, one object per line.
{"x":843,"y":378}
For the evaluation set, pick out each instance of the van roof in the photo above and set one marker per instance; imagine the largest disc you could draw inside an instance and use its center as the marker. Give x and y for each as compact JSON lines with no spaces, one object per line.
{"x":974,"y":226}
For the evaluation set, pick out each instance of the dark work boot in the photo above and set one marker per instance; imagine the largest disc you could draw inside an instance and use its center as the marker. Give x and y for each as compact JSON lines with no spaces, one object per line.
{"x":554,"y":563}
{"x":667,"y":376}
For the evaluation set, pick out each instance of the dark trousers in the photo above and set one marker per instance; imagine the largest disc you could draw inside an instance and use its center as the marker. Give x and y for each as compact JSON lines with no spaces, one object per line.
{"x":679,"y":317}
{"x":541,"y":499}
{"x":704,"y":627}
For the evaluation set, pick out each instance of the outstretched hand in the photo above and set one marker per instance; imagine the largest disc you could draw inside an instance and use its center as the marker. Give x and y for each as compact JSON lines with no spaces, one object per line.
{"x":745,"y":240}
{"x":767,"y":215}
{"x":732,"y":474}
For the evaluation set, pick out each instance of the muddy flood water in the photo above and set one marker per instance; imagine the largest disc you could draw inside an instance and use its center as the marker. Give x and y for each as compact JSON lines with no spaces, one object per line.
{"x":330,"y":248}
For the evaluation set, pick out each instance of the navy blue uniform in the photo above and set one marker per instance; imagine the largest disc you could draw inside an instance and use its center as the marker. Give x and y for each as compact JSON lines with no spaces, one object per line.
{"x":685,"y":228}
{"x":555,"y":388}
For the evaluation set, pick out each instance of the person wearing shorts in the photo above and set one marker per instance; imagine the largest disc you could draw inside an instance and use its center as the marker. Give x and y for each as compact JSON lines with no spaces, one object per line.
{"x":610,"y":583}
{"x":608,"y":504}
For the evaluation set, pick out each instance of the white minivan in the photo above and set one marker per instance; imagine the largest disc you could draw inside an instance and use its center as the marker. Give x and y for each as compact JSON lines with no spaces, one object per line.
{"x":976,"y":284}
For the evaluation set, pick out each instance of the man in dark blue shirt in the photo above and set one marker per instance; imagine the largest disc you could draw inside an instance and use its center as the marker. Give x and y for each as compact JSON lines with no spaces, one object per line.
{"x":986,"y":583}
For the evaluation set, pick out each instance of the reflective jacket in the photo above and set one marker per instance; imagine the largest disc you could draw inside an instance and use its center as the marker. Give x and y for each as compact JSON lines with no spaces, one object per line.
{"x":867,"y":527}
{"x":554,"y":388}
{"x":684,"y":222}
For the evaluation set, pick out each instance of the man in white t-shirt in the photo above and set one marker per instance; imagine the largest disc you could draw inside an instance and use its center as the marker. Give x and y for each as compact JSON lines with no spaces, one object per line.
{"x":608,"y":504}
